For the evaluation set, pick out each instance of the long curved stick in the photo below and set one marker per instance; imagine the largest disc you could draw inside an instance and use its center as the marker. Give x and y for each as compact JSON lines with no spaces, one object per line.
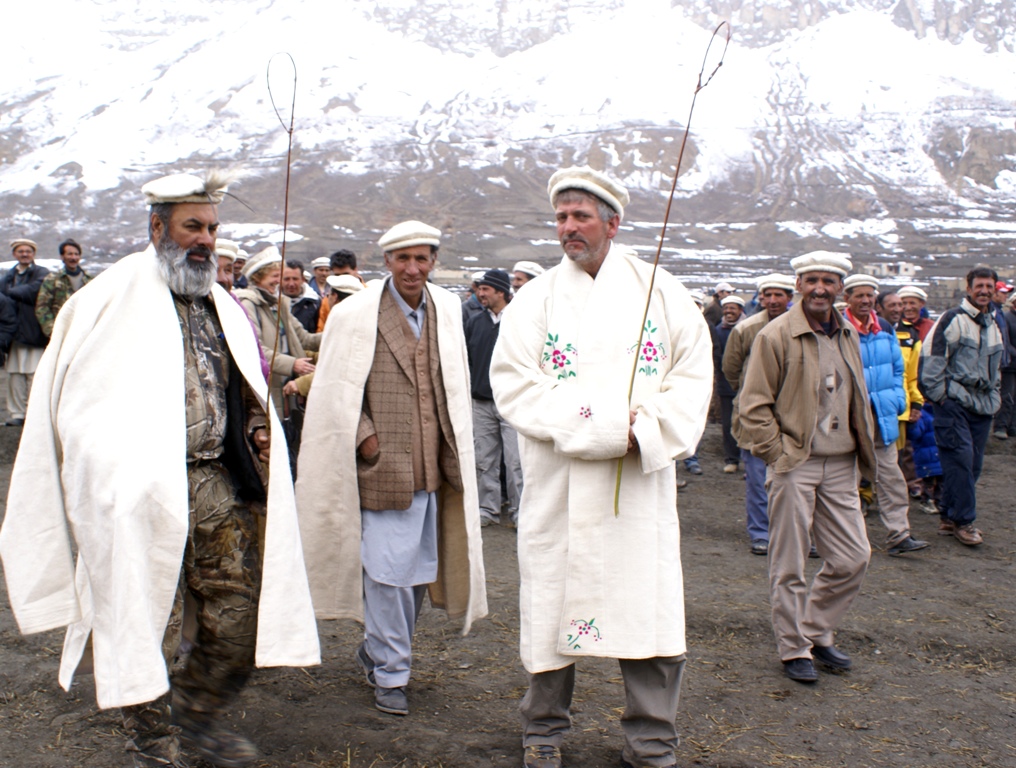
{"x":666,"y":218}
{"x":285,"y":205}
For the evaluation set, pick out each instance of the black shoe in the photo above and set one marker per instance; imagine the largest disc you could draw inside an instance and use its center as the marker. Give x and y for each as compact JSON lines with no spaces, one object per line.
{"x":14,"y":423}
{"x":813,"y":552}
{"x":392,"y":701}
{"x":366,"y":663}
{"x":909,"y":544}
{"x":760,"y":547}
{"x":801,"y":670}
{"x":829,"y":656}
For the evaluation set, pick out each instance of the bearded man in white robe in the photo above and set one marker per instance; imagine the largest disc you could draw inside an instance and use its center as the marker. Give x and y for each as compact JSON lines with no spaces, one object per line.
{"x":144,"y":441}
{"x":594,"y":583}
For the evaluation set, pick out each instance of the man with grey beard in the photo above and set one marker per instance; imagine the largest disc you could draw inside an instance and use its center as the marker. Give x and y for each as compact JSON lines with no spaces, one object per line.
{"x":160,"y":478}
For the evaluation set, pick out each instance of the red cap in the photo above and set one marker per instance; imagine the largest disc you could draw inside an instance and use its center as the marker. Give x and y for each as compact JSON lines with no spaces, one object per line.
{"x":1003,"y":287}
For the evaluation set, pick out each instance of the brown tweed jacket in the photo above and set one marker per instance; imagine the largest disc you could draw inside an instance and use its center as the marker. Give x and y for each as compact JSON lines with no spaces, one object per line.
{"x":387,"y":482}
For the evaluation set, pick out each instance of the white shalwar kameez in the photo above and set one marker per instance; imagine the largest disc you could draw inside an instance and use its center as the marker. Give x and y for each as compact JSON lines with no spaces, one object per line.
{"x":592,"y":583}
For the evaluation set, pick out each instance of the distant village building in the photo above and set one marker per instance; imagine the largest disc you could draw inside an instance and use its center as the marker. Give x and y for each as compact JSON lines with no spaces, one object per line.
{"x":891,"y":269}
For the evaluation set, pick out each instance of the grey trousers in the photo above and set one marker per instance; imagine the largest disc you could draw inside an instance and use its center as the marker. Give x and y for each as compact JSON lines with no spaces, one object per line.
{"x":492,"y":438}
{"x":821,"y":496}
{"x":893,"y":495}
{"x":652,"y":690}
{"x":389,"y":620}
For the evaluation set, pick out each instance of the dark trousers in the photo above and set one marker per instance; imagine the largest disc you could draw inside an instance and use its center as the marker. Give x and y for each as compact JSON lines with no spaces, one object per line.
{"x":1005,"y":419}
{"x":652,"y":689}
{"x":222,"y":573}
{"x":961,"y":437}
{"x":731,"y":453}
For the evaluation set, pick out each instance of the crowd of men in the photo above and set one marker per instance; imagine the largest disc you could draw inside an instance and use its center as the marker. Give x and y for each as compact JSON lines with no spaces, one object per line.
{"x":545,"y":402}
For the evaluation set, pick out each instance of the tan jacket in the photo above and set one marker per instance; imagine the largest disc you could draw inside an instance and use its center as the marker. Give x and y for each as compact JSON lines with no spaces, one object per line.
{"x":735,"y":361}
{"x":779,"y":396}
{"x":300,"y":341}
{"x":388,"y":401}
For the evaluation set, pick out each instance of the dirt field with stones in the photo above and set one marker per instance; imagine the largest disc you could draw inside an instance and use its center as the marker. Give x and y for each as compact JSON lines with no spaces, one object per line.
{"x":932,"y":637}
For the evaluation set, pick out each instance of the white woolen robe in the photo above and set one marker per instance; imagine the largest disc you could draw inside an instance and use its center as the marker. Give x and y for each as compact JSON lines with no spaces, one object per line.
{"x":593,"y":584}
{"x":103,"y":458}
{"x":327,"y":491}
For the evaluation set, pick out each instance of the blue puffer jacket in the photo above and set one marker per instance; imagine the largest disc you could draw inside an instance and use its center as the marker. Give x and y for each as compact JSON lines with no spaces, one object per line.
{"x":883,"y":375}
{"x":921,"y":435}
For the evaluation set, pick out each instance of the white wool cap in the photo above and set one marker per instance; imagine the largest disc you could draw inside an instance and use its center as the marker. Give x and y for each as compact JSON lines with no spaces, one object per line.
{"x":269,"y":255}
{"x":307,"y":276}
{"x":723,"y":286}
{"x":821,"y":261}
{"x":477,"y":276}
{"x":344,"y":283}
{"x":855,"y":280}
{"x":776,"y":280}
{"x":732,"y":299}
{"x":184,"y":188}
{"x":698,"y":297}
{"x":530,"y":268}
{"x":227,"y":248}
{"x":241,"y":255}
{"x":321,"y":261}
{"x":593,"y":182}
{"x":913,"y":292}
{"x":407,"y":234}
{"x":24,"y":241}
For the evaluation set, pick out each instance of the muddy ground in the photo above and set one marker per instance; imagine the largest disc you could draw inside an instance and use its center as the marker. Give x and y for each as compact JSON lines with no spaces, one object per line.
{"x":932,"y":636}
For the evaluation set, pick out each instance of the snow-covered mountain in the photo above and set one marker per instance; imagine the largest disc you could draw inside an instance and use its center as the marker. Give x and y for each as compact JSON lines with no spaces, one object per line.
{"x":884,"y":128}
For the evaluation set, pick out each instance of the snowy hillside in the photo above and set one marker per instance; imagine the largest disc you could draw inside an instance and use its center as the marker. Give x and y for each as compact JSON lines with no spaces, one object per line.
{"x":864,"y":126}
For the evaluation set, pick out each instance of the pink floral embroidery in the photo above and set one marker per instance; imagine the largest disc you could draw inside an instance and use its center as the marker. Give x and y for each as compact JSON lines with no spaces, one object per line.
{"x":585,"y":412}
{"x":652,"y":352}
{"x":583,"y":629}
{"x":560,"y":358}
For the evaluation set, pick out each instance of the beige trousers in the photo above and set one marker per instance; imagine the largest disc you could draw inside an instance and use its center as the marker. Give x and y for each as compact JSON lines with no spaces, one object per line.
{"x":821,"y":496}
{"x":893,"y":496}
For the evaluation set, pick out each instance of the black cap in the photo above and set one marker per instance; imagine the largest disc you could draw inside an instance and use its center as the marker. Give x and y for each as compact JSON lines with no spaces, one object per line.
{"x":498,"y":280}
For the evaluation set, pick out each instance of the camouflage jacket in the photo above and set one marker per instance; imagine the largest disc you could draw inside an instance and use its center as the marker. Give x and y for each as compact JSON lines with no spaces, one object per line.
{"x":53,"y":294}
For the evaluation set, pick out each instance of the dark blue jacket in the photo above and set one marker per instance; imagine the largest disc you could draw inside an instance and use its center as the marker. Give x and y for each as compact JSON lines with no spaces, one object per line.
{"x":921,"y":435}
{"x":23,"y":290}
{"x":883,"y":375}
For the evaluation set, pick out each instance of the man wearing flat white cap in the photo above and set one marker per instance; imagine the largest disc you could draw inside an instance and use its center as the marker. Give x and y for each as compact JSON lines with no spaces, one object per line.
{"x":391,"y":407}
{"x":163,"y":510}
{"x":594,"y":583}
{"x":21,"y":284}
{"x":883,"y":376}
{"x":714,"y":309}
{"x":523,"y":272}
{"x":775,"y":292}
{"x":472,"y":305}
{"x":320,"y":267}
{"x":804,"y":410}
{"x":733,"y":314}
{"x":914,"y":300}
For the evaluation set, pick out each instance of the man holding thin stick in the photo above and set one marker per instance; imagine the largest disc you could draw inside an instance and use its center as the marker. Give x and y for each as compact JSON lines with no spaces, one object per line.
{"x":596,"y":583}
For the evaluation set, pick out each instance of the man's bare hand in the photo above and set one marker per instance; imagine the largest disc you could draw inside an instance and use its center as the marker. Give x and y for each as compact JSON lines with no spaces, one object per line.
{"x":633,"y":443}
{"x":915,"y":416}
{"x":262,"y":443}
{"x":303,"y":366}
{"x":290,"y":388}
{"x":369,"y":448}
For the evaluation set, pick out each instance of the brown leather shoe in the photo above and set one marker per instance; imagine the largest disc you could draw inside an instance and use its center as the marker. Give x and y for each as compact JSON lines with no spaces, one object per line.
{"x":946,"y":528}
{"x":967,"y":534}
